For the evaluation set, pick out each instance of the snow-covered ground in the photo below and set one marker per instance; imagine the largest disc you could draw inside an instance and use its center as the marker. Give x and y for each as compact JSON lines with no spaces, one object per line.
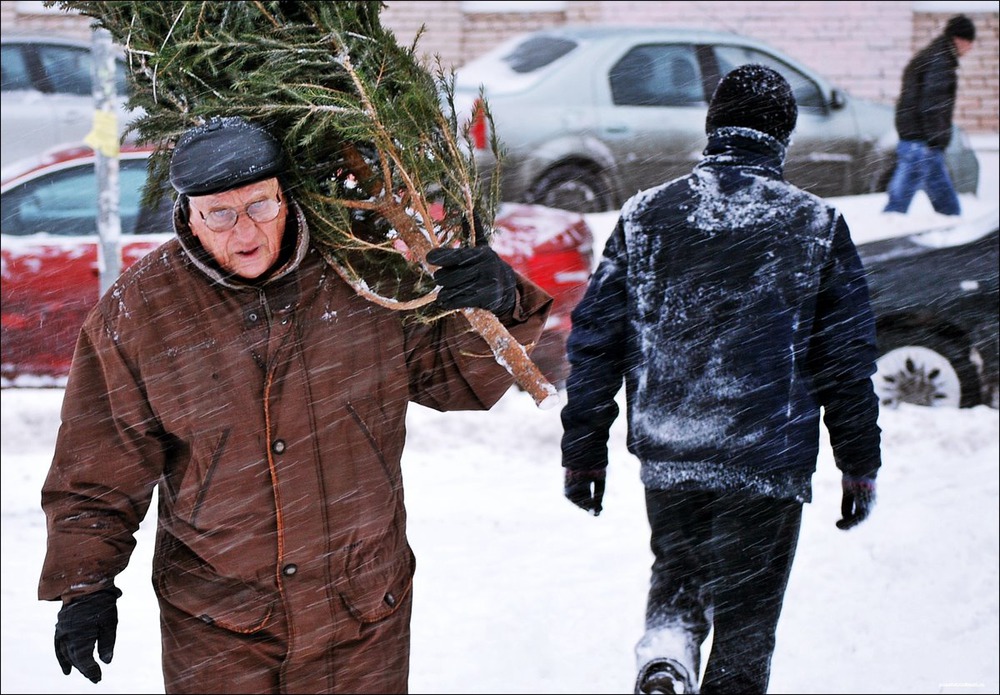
{"x":518,"y":591}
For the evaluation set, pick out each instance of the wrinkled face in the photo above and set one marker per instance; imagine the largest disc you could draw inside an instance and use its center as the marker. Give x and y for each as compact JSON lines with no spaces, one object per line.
{"x":252,"y":244}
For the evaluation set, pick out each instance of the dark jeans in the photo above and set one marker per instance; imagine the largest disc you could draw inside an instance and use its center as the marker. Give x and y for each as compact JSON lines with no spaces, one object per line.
{"x":919,"y":166}
{"x":722,"y":560}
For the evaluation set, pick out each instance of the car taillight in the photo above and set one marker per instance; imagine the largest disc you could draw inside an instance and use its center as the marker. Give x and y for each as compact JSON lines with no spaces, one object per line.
{"x":563,"y":274}
{"x":477,"y":126}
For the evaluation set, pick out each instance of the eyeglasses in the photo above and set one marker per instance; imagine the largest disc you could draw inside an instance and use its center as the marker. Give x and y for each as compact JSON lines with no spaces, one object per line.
{"x":224,"y":219}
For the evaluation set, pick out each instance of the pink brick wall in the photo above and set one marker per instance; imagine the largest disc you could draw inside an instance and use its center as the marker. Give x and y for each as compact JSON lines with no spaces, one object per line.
{"x":861,"y":46}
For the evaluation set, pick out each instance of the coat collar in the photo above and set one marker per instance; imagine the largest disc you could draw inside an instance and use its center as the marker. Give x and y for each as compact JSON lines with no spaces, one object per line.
{"x":738,"y":146}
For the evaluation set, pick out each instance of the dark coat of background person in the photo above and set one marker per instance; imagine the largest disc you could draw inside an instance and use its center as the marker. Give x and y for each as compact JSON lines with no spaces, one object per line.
{"x":734,"y":308}
{"x":270,"y":415}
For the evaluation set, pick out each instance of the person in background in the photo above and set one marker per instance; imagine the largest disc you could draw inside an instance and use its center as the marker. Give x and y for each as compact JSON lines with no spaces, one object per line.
{"x":236,"y":372}
{"x":924,"y":113}
{"x":734,"y":307}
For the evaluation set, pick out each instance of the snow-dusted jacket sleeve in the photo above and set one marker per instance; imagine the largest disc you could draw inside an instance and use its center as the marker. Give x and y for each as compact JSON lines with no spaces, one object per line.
{"x":597,"y":353}
{"x":842,"y":356}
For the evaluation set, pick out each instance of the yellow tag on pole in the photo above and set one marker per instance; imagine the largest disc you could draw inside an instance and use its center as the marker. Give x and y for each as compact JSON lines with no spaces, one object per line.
{"x":103,"y":136}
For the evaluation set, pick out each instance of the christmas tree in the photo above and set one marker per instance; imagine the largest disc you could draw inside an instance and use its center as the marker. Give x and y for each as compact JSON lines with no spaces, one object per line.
{"x":369,"y":129}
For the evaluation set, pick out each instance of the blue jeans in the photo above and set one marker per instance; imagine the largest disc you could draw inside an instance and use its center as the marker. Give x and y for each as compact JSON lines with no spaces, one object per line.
{"x":919,"y":166}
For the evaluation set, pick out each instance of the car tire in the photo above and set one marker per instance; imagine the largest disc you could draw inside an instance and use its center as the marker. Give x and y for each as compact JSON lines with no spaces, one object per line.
{"x":922,"y":368}
{"x":571,"y":187}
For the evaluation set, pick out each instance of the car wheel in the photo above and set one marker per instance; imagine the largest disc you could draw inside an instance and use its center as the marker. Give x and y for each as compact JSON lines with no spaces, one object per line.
{"x":571,"y":187}
{"x":925,"y":370}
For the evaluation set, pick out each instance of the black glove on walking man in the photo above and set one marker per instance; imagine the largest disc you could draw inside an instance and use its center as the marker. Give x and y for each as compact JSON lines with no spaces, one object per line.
{"x":585,"y":489}
{"x":473,"y":277}
{"x":857,"y":502}
{"x":85,"y":622}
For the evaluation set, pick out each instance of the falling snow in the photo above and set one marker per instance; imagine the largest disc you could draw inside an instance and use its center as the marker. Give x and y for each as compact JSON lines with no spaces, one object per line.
{"x":518,"y":591}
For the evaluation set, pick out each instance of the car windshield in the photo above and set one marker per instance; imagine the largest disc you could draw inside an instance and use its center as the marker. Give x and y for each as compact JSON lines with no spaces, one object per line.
{"x":537,"y":52}
{"x":516,"y":64}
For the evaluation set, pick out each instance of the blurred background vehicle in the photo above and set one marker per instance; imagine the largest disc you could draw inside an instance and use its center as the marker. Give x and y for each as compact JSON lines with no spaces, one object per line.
{"x":50,"y":276}
{"x":937,"y":309}
{"x":588,"y":116}
{"x":47,"y":94}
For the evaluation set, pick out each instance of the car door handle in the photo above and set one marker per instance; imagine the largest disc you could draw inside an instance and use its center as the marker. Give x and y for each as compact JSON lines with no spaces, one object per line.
{"x":616,"y":128}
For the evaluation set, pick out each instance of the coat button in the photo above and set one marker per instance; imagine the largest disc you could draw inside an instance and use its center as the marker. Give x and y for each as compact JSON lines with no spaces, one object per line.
{"x":289,"y":570}
{"x":390,"y":600}
{"x":279,"y":446}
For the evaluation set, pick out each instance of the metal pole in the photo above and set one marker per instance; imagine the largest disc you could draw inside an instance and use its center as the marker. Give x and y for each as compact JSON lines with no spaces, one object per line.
{"x":104,"y":139}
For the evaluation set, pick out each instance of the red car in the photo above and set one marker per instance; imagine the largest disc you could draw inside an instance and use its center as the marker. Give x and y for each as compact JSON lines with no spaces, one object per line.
{"x":50,"y":274}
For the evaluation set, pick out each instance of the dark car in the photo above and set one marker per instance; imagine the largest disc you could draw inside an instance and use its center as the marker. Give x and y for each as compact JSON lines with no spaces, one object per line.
{"x":589,"y":116}
{"x":50,"y":277}
{"x":935,"y":298}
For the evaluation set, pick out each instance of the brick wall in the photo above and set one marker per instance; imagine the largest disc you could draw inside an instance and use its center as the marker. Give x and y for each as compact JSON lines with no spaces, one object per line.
{"x":861,"y":46}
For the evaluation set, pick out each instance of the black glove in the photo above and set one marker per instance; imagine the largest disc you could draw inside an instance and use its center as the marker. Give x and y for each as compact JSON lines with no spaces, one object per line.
{"x":585,"y":489}
{"x":473,"y":277}
{"x":858,"y":500}
{"x":86,"y":621}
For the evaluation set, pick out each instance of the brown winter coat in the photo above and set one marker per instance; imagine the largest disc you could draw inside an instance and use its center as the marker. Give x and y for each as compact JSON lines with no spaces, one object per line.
{"x":272,"y":418}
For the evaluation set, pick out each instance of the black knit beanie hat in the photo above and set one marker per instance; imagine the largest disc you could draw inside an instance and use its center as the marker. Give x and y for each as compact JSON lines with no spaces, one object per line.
{"x":223,"y":154}
{"x":754,"y":96}
{"x":960,"y":27}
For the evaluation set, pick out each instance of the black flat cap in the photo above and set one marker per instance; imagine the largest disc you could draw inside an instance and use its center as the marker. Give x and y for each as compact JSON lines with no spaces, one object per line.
{"x":223,"y":154}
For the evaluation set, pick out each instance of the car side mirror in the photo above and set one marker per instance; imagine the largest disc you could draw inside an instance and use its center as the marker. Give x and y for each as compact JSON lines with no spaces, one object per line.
{"x":837,"y":100}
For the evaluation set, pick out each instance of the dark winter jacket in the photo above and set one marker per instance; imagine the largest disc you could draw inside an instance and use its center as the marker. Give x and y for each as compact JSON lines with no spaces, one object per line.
{"x":927,"y":97}
{"x":734,"y":306}
{"x":272,"y":418}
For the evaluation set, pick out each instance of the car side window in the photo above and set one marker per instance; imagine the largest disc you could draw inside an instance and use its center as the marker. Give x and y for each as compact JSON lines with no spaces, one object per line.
{"x":65,"y":203}
{"x":807,"y":93}
{"x":15,"y":70}
{"x":657,"y":75}
{"x":68,"y":70}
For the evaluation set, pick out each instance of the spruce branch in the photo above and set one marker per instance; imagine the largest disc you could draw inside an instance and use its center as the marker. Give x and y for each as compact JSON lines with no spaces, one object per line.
{"x":371,"y":133}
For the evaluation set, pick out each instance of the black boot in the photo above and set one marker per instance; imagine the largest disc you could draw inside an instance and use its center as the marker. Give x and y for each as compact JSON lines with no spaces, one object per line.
{"x":663,"y":677}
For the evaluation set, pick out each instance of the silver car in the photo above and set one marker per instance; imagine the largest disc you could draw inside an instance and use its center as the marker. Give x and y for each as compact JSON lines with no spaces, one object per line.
{"x":588,"y":116}
{"x":48,"y":94}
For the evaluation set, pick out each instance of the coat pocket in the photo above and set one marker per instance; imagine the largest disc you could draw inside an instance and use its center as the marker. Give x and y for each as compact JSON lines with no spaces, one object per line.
{"x":190,"y":586}
{"x":374,"y":594}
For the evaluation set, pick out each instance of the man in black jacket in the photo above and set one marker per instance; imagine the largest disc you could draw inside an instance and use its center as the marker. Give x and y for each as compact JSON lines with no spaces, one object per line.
{"x":734,"y":307}
{"x":923,"y":120}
